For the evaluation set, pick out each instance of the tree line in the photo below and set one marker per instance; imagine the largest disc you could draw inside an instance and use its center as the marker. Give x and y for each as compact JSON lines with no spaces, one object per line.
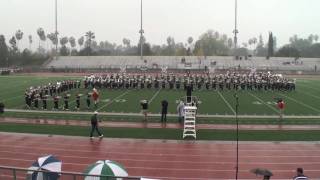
{"x":210,"y":43}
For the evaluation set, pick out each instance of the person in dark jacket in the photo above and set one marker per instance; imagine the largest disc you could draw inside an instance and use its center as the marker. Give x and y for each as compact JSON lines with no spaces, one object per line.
{"x":88,"y":100}
{"x":189,"y":90}
{"x":300,"y":175}
{"x":94,"y":125}
{"x":164,"y":111}
{"x":78,"y":102}
{"x":1,"y":108}
{"x":144,"y":105}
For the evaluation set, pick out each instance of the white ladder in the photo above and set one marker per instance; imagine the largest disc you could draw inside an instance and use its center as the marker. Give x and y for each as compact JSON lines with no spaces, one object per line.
{"x":189,"y":128}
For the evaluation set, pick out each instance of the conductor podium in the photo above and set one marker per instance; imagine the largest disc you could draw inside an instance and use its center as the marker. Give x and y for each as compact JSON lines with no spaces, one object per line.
{"x":189,"y":128}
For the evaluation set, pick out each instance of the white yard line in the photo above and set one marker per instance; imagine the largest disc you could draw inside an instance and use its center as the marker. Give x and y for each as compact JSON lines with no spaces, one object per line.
{"x":299,"y":102}
{"x":234,"y":112}
{"x":272,"y":108}
{"x":315,"y":89}
{"x":121,"y":95}
{"x":309,"y":94}
{"x":154,"y":96}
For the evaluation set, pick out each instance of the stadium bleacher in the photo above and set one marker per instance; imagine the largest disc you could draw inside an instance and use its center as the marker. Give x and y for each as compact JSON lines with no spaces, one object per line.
{"x":179,"y":62}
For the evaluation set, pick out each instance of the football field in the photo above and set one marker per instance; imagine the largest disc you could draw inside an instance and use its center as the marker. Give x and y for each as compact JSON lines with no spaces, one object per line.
{"x":305,"y":101}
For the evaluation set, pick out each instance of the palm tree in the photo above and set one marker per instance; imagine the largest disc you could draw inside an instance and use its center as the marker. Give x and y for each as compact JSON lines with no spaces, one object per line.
{"x":254,"y":42}
{"x":311,"y":38}
{"x":316,"y":38}
{"x":190,"y":40}
{"x":230,"y":43}
{"x":53,"y":38}
{"x":250,"y":42}
{"x":19,"y":36}
{"x":90,"y":37}
{"x":13,"y":44}
{"x":81,"y":41}
{"x":72,"y":42}
{"x":42,"y":36}
{"x":126,"y":42}
{"x":30,"y":41}
{"x":64,"y":41}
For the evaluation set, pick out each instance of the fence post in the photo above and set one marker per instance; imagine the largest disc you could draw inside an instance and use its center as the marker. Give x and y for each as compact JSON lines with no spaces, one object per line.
{"x":14,"y":174}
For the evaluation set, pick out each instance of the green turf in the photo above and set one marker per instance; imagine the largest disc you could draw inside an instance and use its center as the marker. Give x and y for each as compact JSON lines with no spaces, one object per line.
{"x":173,"y":134}
{"x":304,"y":101}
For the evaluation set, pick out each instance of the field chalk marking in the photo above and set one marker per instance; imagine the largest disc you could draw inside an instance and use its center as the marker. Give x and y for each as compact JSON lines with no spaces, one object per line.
{"x":299,"y":102}
{"x":309,"y":87}
{"x":121,"y":95}
{"x":154,"y":96}
{"x":309,"y":94}
{"x":234,"y":112}
{"x":272,"y":108}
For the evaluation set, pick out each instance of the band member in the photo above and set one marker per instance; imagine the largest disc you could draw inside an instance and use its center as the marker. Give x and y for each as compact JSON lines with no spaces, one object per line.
{"x":36,"y":101}
{"x":78,"y":102}
{"x":56,"y":102}
{"x":88,"y":100}
{"x":27,"y":99}
{"x":66,"y":101}
{"x":44,"y":102}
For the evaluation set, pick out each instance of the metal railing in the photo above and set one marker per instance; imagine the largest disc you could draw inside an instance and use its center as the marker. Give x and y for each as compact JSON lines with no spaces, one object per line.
{"x":14,"y":173}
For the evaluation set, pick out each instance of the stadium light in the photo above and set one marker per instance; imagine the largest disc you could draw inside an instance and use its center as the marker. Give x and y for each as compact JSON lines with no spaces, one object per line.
{"x":141,"y":34}
{"x":236,"y":96}
{"x":235,"y":31}
{"x":56,"y":27}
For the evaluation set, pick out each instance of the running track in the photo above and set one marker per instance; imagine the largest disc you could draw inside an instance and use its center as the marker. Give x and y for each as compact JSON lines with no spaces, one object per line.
{"x":165,"y":159}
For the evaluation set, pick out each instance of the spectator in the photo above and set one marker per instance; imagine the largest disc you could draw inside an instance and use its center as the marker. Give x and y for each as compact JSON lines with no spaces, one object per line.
{"x":300,"y":175}
{"x":144,"y":105}
{"x":1,"y":108}
{"x":164,"y":111}
{"x":94,"y":125}
{"x":180,"y":110}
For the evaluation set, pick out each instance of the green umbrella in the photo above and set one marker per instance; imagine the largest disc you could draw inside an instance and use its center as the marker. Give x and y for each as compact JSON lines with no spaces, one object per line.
{"x":107,"y":168}
{"x":262,"y":172}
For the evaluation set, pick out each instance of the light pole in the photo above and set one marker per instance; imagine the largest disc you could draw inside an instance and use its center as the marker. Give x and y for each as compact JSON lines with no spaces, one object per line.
{"x":56,"y":27}
{"x":237,"y":122}
{"x":141,"y":34}
{"x":235,"y":31}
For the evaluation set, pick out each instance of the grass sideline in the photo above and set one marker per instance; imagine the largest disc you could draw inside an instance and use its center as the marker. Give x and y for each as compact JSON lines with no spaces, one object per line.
{"x":83,"y":117}
{"x":166,"y":134}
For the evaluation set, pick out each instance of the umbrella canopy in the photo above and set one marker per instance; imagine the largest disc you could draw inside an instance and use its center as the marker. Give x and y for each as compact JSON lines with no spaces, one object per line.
{"x":50,"y":164}
{"x":107,"y":168}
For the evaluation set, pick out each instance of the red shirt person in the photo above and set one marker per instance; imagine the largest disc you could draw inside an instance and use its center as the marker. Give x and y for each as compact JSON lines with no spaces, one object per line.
{"x":95,"y":96}
{"x":281,"y":105}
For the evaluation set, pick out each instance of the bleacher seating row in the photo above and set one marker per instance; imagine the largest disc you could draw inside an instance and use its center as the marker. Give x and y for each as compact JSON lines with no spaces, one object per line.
{"x":179,"y":62}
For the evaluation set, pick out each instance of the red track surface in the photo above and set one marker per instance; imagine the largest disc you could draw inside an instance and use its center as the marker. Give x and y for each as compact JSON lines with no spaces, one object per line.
{"x":165,"y":159}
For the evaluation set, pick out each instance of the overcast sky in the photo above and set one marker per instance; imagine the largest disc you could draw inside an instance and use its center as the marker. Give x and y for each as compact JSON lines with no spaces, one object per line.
{"x":113,"y":20}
